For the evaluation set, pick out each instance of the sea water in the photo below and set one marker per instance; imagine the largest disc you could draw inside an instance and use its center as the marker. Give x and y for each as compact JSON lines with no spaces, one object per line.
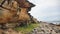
{"x":54,"y":22}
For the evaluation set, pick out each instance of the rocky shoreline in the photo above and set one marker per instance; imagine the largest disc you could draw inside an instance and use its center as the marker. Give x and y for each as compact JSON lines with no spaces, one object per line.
{"x":46,"y":28}
{"x":43,"y":28}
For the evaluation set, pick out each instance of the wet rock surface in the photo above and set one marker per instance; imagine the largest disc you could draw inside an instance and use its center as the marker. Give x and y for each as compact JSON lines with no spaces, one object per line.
{"x":46,"y":28}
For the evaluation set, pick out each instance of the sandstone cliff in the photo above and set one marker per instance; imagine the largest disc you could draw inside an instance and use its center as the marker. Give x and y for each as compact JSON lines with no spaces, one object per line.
{"x":14,"y":13}
{"x":16,"y":10}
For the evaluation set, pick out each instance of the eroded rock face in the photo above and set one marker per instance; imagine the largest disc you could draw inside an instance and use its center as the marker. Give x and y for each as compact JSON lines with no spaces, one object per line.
{"x":16,"y":12}
{"x":23,"y":14}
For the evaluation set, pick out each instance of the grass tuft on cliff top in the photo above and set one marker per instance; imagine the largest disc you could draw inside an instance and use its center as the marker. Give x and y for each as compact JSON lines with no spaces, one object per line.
{"x":26,"y":29}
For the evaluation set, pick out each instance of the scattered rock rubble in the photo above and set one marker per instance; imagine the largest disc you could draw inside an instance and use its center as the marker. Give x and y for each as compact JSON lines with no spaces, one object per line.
{"x":9,"y":31}
{"x":43,"y":28}
{"x":46,"y":28}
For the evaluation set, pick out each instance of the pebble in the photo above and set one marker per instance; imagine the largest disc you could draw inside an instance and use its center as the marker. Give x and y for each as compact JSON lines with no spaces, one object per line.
{"x":46,"y":28}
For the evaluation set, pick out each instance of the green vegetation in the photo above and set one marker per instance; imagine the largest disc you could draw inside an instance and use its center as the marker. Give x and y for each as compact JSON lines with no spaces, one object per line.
{"x":28,"y":28}
{"x":1,"y":1}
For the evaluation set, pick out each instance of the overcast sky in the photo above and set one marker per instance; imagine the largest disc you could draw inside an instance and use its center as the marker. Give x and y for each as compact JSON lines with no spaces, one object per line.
{"x":46,"y":10}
